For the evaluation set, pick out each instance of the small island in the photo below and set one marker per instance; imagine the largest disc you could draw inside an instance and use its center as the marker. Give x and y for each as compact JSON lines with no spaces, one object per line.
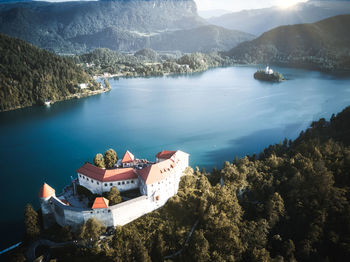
{"x":268,"y":75}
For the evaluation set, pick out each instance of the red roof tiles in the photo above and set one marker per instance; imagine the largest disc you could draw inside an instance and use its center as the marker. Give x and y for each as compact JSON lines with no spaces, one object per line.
{"x":46,"y":191}
{"x":165,"y":154}
{"x":128,"y":157}
{"x":100,"y":202}
{"x":106,"y":175}
{"x":156,"y":172}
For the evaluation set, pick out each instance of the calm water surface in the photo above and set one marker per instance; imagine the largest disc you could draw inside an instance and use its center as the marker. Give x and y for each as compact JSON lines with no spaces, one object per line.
{"x":214,"y":116}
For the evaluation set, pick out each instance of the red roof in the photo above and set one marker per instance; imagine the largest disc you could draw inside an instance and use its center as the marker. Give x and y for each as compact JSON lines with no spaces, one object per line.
{"x":156,"y":172}
{"x":106,"y":175}
{"x":46,"y":191}
{"x":100,"y":202}
{"x":165,"y":154}
{"x":128,"y":157}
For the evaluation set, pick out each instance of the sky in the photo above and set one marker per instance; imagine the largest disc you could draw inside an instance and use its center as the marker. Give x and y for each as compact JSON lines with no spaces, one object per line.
{"x":233,"y":5}
{"x":237,"y":5}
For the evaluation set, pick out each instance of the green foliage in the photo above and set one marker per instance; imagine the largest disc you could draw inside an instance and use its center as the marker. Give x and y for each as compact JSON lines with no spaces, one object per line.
{"x":99,"y":160}
{"x":110,"y":158}
{"x":91,"y":230}
{"x":29,"y":75}
{"x":31,"y":221}
{"x":114,"y":196}
{"x":147,"y":63}
{"x":128,"y":245}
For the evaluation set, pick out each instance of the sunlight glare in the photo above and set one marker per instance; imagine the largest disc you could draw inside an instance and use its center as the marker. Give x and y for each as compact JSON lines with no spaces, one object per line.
{"x":288,"y":3}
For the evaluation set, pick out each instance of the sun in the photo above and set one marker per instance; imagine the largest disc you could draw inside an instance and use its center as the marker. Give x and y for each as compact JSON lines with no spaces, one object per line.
{"x":288,"y":3}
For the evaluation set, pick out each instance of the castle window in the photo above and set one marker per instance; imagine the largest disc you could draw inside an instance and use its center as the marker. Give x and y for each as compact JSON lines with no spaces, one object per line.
{"x":109,"y":211}
{"x":118,"y":183}
{"x":87,"y":179}
{"x":91,"y":212}
{"x":106,"y":184}
{"x":128,"y":182}
{"x":123,"y":183}
{"x":111,"y":184}
{"x":79,"y":175}
{"x":97,"y":183}
{"x":132,"y":181}
{"x":92,"y":181}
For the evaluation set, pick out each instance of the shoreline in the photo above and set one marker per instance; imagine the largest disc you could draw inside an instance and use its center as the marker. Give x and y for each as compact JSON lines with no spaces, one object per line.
{"x":86,"y":93}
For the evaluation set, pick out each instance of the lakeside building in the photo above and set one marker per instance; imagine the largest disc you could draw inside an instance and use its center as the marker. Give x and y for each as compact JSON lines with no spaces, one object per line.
{"x":156,"y":181}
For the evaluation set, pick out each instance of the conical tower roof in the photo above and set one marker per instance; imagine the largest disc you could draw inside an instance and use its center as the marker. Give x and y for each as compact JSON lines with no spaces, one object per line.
{"x":46,"y":191}
{"x":100,"y":202}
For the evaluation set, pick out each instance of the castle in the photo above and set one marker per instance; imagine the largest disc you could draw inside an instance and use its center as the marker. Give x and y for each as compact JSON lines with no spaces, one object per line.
{"x":156,"y":182}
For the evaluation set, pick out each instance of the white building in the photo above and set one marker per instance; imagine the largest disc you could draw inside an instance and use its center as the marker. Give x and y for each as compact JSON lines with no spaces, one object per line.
{"x":268,"y":71}
{"x":157,"y":182}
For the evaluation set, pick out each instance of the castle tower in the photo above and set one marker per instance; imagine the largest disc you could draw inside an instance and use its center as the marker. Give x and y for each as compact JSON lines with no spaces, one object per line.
{"x":45,"y":193}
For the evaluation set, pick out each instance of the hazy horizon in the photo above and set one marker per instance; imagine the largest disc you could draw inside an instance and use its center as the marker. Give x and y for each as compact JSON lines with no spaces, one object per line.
{"x":229,"y":5}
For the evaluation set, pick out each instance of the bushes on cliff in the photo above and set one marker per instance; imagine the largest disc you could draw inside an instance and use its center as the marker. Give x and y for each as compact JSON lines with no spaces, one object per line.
{"x":91,"y":230}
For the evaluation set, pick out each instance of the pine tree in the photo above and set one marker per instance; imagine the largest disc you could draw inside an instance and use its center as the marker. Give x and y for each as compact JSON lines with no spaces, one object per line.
{"x":31,"y":221}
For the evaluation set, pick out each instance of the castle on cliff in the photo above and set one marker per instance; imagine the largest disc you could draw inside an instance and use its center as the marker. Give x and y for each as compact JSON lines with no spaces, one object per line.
{"x":156,"y":182}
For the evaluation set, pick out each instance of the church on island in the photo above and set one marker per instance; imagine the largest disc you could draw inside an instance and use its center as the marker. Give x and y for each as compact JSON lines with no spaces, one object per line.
{"x":154,"y":183}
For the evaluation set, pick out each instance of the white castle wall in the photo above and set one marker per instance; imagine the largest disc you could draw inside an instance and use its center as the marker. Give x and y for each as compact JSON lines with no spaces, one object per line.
{"x":117,"y":215}
{"x":128,"y":211}
{"x":98,"y":187}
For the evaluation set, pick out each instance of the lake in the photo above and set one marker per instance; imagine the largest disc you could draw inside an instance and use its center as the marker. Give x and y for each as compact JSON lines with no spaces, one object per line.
{"x":214,"y":116}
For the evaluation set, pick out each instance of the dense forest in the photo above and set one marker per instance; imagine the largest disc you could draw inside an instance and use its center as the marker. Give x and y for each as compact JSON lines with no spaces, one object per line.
{"x":323,"y":46}
{"x":147,"y":62}
{"x":30,"y":76}
{"x":290,"y":203}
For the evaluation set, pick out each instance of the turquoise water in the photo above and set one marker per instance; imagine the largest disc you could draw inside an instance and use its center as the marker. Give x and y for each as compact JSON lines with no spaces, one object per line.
{"x":214,"y":116}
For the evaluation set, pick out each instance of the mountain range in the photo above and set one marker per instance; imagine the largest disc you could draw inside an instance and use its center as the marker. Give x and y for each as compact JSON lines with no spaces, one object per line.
{"x":324,"y":45}
{"x":258,"y":21}
{"x":122,"y":25}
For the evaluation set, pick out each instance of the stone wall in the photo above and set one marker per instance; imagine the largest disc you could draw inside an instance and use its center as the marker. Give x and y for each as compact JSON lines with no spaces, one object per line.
{"x":117,"y":215}
{"x":98,"y":187}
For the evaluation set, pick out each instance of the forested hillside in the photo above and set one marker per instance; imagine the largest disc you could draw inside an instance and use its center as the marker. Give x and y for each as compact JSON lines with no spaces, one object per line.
{"x":147,"y":62}
{"x":323,"y":45}
{"x":291,"y":203}
{"x":31,"y":76}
